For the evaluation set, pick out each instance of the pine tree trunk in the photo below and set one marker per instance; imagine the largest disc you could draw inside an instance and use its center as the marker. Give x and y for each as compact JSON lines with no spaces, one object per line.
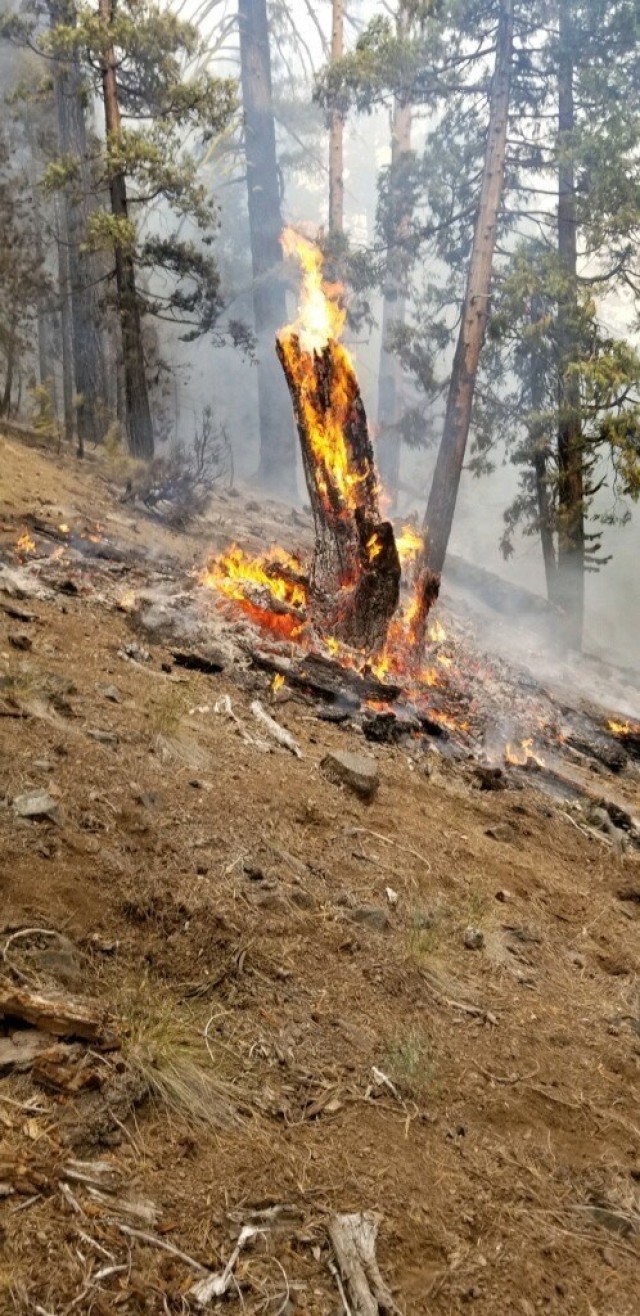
{"x":139,"y":421}
{"x":540,"y":449}
{"x":277,"y":443}
{"x":66,"y":336}
{"x":86,"y":337}
{"x":570,"y":452}
{"x":5,"y":404}
{"x":336,"y":131}
{"x":446,"y":479}
{"x":393,"y":312}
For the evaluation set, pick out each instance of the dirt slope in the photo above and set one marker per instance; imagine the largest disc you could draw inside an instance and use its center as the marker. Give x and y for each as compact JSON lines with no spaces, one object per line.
{"x":291,"y":1034}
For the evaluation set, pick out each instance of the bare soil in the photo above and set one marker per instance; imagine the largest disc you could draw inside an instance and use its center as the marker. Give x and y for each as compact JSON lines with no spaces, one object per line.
{"x":290,"y":1035}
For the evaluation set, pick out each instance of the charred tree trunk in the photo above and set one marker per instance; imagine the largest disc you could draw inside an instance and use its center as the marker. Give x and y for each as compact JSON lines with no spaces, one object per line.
{"x":86,"y":336}
{"x":446,"y":479}
{"x":571,"y":540}
{"x":139,"y":421}
{"x":355,"y":581}
{"x":393,"y":308}
{"x":277,"y":446}
{"x":336,"y":131}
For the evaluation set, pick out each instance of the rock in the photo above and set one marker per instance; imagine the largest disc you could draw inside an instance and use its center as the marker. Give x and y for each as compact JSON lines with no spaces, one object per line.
{"x":357,"y":771}
{"x":111,"y":693}
{"x":392,"y":896}
{"x":18,"y":640}
{"x":490,"y":778}
{"x":103,"y":737}
{"x":577,"y":959}
{"x":372,"y":917}
{"x":134,"y":653}
{"x":598,"y":817}
{"x":501,"y":832}
{"x":473,"y":939}
{"x":503,"y":895}
{"x":37,"y":806}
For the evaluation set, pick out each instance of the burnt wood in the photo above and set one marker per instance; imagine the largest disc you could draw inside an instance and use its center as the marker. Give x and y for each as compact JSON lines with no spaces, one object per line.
{"x":355,"y":580}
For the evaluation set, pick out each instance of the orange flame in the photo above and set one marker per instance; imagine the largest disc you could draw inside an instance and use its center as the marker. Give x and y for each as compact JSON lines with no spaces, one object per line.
{"x":320,"y":317}
{"x":520,"y":756}
{"x":25,"y":543}
{"x":269,"y":589}
{"x":408,"y":544}
{"x":321,"y":321}
{"x":623,"y":728}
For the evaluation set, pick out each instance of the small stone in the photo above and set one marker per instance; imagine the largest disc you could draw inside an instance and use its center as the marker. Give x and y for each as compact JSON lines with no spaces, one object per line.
{"x":18,"y":640}
{"x":372,"y":917}
{"x":392,"y":896}
{"x":473,"y":939}
{"x":43,"y":765}
{"x":501,"y":832}
{"x":357,"y":771}
{"x":36,"y":806}
{"x":503,"y":895}
{"x":111,"y":693}
{"x":578,"y":960}
{"x":490,"y":778}
{"x":103,"y":737}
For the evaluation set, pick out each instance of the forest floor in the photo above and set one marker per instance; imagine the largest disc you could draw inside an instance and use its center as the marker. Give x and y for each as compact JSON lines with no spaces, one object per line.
{"x":301,"y":1023}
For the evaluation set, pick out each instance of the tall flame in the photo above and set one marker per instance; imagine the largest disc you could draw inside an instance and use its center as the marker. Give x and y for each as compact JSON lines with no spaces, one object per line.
{"x":321,"y":320}
{"x":320,"y":316}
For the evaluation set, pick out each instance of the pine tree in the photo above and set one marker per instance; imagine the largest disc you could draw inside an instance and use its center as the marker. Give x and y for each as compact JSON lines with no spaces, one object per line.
{"x":132,"y":55}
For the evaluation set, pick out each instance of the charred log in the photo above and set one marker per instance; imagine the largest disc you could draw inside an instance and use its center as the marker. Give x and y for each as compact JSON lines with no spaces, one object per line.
{"x":355,"y":579}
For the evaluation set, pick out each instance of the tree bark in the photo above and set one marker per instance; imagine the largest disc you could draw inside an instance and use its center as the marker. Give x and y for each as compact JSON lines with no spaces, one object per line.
{"x":393,"y":311}
{"x":448,"y":470}
{"x":66,"y":343}
{"x":355,"y":581}
{"x":540,"y":441}
{"x":336,"y":131}
{"x":5,"y":404}
{"x":139,"y":421}
{"x":571,"y":540}
{"x":277,"y":466}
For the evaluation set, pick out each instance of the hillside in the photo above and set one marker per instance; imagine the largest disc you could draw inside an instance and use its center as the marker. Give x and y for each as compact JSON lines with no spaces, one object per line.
{"x":423,"y":1005}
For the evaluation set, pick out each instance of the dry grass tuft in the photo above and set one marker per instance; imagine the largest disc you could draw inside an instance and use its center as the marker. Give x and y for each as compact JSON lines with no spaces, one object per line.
{"x":180,"y":1068}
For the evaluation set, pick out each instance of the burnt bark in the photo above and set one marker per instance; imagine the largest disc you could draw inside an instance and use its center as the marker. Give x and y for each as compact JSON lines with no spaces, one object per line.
{"x":571,"y":539}
{"x":355,"y":580}
{"x":277,"y":467}
{"x":139,"y":422}
{"x":448,"y":470}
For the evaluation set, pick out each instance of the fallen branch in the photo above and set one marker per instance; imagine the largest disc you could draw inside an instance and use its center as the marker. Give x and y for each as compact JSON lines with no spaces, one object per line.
{"x":353,"y":1238}
{"x":273,"y":728}
{"x":154,"y":1241}
{"x":60,"y":1014}
{"x":215,"y":1286}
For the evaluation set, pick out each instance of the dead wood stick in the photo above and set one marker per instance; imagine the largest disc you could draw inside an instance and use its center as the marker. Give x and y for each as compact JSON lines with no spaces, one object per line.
{"x":59,"y":1013}
{"x":154,"y":1241}
{"x":390,"y":840}
{"x":353,"y":1238}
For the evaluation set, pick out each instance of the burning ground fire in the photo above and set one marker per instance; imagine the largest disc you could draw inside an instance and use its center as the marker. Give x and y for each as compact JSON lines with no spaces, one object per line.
{"x":275,"y":590}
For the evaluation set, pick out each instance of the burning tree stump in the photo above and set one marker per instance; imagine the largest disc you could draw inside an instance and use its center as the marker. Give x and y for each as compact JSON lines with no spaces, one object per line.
{"x":355,"y":580}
